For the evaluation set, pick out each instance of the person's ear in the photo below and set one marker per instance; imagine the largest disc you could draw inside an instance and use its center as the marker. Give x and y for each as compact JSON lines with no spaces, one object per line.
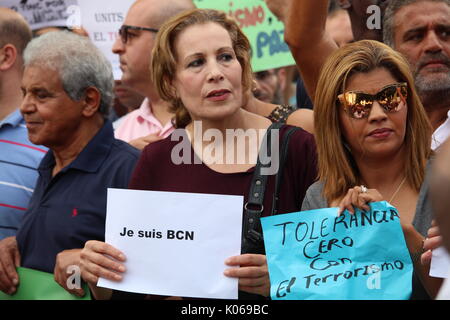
{"x":8,"y":56}
{"x":91,"y":100}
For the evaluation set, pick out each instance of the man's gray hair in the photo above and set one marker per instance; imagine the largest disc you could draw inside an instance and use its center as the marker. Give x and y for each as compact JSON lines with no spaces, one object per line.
{"x":77,"y":61}
{"x":388,"y":19}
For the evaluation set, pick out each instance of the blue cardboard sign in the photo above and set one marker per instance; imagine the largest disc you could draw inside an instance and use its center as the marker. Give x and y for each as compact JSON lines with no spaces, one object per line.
{"x":317,"y":255}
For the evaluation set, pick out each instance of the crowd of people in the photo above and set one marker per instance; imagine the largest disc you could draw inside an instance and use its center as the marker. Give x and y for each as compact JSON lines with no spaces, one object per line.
{"x":370,"y":124}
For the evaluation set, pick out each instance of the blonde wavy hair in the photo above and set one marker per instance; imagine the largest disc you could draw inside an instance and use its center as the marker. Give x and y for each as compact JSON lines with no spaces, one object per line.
{"x":164,"y":60}
{"x":337,"y":168}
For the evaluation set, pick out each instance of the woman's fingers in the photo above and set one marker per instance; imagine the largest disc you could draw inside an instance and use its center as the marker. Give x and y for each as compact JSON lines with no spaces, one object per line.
{"x":425,"y":258}
{"x":432,"y":243}
{"x":104,"y":248}
{"x":346,"y":203}
{"x":247,"y":259}
{"x":252,"y":272}
{"x":92,"y":272}
{"x":99,"y":259}
{"x":357,"y":199}
{"x":433,"y":232}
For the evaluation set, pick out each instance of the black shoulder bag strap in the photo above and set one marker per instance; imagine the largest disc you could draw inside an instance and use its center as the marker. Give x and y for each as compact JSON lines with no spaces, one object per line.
{"x":279,"y":179}
{"x":252,"y":238}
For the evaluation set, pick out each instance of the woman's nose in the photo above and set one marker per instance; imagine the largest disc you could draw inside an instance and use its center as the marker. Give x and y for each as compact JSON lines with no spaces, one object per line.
{"x":377,"y":112}
{"x":215,"y":73}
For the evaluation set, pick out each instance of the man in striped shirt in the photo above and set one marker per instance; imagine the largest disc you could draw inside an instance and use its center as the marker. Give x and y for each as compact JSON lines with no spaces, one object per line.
{"x":19,"y":158}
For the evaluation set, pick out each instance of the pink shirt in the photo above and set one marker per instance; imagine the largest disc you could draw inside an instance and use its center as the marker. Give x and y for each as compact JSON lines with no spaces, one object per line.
{"x":141,"y":122}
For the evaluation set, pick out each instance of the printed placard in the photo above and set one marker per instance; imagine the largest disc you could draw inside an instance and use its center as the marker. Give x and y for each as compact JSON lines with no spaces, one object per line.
{"x":175,"y":243}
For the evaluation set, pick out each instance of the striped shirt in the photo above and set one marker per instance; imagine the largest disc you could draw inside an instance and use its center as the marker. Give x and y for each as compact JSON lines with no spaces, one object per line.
{"x":19,"y":160}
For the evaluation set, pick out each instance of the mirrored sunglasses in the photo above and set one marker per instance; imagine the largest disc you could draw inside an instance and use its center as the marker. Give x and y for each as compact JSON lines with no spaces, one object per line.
{"x":358,"y":104}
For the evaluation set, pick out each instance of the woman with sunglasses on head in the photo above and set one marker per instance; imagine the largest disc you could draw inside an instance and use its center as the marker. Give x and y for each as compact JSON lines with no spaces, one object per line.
{"x":373,"y":142}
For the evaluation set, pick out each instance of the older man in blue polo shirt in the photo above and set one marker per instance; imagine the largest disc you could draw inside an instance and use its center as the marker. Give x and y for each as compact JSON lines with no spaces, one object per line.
{"x":19,"y":158}
{"x":67,"y":87}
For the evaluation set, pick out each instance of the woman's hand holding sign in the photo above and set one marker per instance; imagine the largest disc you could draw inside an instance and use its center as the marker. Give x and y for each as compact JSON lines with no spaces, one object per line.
{"x":253,"y":273}
{"x":358,"y":197}
{"x":433,"y":241}
{"x":99,"y":259}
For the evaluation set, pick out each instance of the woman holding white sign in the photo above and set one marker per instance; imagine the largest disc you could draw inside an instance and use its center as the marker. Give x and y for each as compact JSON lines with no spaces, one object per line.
{"x":201,"y":65}
{"x":373,"y":139}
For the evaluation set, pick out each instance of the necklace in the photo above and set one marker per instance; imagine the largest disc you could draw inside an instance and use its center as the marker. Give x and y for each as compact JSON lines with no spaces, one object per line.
{"x":398,"y":189}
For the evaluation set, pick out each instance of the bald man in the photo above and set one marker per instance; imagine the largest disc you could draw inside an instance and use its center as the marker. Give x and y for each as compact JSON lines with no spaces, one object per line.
{"x":152,"y":121}
{"x":19,"y":158}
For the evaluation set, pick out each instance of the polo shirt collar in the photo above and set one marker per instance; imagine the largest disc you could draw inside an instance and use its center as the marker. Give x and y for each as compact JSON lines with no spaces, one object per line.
{"x":13,"y":119}
{"x":145,"y":113}
{"x":92,"y":156}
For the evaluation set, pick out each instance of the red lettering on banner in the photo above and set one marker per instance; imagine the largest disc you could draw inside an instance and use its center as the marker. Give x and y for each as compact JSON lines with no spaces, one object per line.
{"x":246,"y":17}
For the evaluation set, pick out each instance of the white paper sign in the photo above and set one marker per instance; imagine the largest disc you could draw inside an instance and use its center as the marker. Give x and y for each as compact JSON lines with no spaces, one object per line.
{"x":102,"y":20}
{"x":176,"y":244}
{"x":440,"y":263}
{"x":42,"y":13}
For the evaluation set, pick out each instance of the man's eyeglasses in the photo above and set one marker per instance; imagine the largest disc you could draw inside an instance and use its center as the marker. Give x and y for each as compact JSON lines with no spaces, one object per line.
{"x":124,"y":31}
{"x":358,"y":104}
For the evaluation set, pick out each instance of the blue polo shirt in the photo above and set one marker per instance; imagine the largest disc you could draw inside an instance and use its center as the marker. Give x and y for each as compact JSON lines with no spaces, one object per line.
{"x":19,"y":160}
{"x":69,"y":209}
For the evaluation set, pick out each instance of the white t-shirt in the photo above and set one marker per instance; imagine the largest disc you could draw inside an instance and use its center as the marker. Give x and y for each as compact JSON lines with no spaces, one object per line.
{"x":441,"y":133}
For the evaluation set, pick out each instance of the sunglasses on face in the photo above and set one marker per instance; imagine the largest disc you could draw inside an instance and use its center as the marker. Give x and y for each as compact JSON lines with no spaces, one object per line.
{"x":124,"y":31}
{"x":358,"y":104}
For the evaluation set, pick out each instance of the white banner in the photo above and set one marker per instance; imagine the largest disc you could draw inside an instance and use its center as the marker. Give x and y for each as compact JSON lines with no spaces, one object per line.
{"x":102,"y":20}
{"x":40,"y":14}
{"x":175,"y":244}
